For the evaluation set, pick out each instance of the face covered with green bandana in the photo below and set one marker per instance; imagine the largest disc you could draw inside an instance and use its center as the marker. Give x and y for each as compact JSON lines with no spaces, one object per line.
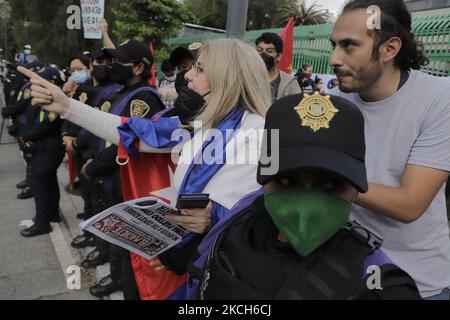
{"x":309,"y":207}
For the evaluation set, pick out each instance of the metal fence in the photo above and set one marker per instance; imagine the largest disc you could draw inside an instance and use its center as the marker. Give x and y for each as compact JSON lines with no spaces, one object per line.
{"x":312,"y":43}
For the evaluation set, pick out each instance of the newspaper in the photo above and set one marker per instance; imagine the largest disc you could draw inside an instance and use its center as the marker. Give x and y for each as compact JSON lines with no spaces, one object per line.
{"x":138,"y":226}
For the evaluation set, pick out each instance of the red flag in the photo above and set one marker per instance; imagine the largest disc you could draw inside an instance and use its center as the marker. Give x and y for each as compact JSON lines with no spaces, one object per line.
{"x":142,"y":176}
{"x":152,"y":80}
{"x":288,"y":39}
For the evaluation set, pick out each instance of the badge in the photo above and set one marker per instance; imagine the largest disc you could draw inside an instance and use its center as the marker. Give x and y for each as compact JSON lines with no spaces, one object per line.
{"x":195,"y":46}
{"x":27,"y":94}
{"x":83,"y":97}
{"x":316,"y":111}
{"x":52,"y":116}
{"x":106,"y":106}
{"x":139,"y":109}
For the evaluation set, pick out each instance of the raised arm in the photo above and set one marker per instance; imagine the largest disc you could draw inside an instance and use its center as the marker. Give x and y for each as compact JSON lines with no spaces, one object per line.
{"x":107,"y":42}
{"x":51,"y":98}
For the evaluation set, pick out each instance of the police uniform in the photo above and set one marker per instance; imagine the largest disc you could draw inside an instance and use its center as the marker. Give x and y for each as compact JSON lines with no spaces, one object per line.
{"x":18,"y":112}
{"x":137,"y":100}
{"x":48,"y":153}
{"x":85,"y":93}
{"x":86,"y":147}
{"x":327,"y":134}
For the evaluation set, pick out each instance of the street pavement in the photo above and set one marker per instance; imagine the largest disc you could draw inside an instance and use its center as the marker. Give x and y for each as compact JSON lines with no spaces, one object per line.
{"x":36,"y":269}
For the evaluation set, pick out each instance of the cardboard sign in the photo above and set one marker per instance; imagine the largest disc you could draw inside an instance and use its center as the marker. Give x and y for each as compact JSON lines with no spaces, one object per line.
{"x":92,"y":12}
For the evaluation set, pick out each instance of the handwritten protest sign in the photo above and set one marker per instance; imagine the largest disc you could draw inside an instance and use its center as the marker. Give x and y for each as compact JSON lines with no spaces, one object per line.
{"x":92,"y":12}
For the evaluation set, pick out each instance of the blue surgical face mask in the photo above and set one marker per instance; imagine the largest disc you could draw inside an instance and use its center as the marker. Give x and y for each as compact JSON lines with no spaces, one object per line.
{"x":80,"y":77}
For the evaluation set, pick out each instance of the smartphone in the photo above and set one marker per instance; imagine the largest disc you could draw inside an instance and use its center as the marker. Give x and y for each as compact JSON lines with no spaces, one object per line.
{"x":193,"y":201}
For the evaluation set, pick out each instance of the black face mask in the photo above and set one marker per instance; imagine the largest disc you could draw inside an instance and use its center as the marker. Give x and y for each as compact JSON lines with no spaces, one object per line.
{"x":181,"y":82}
{"x":188,"y":104}
{"x":102,"y":74}
{"x":121,"y":74}
{"x":268,"y":60}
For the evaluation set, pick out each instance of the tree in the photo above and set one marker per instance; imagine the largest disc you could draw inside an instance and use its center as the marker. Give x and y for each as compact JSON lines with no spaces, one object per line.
{"x":209,"y":13}
{"x":303,"y":15}
{"x":262,"y":14}
{"x":42,"y":24}
{"x":5,"y":30}
{"x":150,"y":20}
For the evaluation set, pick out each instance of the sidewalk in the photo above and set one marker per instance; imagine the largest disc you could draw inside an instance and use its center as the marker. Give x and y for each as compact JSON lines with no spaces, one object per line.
{"x":33,"y":269}
{"x":70,"y":206}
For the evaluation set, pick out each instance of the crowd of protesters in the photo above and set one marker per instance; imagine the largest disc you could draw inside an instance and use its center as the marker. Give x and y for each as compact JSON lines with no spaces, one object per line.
{"x":361,"y":169}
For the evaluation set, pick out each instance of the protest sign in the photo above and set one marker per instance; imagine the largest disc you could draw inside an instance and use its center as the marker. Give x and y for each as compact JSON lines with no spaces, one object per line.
{"x":92,"y":12}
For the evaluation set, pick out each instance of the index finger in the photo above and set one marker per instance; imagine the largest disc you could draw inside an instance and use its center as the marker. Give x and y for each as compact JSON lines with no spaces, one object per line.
{"x":28,"y":73}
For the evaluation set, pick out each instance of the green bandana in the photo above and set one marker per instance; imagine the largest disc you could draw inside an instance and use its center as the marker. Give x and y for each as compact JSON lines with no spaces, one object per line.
{"x":307,"y":218}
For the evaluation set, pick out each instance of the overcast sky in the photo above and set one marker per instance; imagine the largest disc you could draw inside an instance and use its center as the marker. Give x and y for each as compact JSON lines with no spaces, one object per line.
{"x":332,"y":5}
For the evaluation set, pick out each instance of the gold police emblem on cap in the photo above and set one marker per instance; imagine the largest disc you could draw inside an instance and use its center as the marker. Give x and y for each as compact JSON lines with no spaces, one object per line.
{"x":83,"y":97}
{"x":316,"y":111}
{"x":106,"y":106}
{"x":139,"y":109}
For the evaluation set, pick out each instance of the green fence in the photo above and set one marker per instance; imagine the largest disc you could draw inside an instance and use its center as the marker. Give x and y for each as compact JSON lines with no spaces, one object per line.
{"x":312,"y":43}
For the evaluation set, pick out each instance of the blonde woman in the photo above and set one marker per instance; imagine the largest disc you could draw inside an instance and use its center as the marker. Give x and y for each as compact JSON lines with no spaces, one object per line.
{"x":229,"y":81}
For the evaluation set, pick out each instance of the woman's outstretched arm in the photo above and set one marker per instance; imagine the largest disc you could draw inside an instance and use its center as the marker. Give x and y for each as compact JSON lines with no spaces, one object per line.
{"x":104,"y":125}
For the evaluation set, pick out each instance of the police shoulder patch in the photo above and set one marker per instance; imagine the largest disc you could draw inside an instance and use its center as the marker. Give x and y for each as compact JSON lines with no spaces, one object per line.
{"x":106,"y":106}
{"x":27,"y":94}
{"x":52,"y":116}
{"x":139,"y":109}
{"x":83,"y":97}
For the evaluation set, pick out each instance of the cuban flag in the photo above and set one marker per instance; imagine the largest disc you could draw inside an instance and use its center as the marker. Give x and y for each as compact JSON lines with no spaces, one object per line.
{"x":144,"y":175}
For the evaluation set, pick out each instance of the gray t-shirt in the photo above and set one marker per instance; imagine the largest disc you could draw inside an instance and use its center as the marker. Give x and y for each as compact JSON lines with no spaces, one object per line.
{"x":412,"y":127}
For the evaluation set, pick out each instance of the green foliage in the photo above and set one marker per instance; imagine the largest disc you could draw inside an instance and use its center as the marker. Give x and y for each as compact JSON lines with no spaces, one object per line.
{"x":262,"y":14}
{"x":42,"y":24}
{"x":150,"y":20}
{"x":303,"y":15}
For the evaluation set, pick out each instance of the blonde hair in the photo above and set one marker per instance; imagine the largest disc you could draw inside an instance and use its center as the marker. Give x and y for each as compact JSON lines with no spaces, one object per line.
{"x":237,"y":76}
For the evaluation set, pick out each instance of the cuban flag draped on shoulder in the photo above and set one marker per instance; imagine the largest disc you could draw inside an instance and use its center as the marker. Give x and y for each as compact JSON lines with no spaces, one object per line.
{"x":158,"y":134}
{"x":143,"y":175}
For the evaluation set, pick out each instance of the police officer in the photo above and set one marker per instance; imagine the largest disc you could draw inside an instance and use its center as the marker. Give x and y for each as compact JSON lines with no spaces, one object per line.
{"x":131,"y":67}
{"x":86,"y":146}
{"x":79,"y":86}
{"x":297,"y":230}
{"x":43,"y":137}
{"x":18,"y":112}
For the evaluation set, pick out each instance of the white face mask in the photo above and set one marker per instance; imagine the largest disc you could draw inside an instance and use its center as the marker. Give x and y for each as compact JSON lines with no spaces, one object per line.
{"x":27,"y":51}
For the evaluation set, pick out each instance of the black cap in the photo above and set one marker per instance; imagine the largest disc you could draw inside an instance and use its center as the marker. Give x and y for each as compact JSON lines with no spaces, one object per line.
{"x":51,"y":74}
{"x":316,"y":132}
{"x":180,"y":54}
{"x":132,"y":51}
{"x":35,"y":64}
{"x":98,"y":54}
